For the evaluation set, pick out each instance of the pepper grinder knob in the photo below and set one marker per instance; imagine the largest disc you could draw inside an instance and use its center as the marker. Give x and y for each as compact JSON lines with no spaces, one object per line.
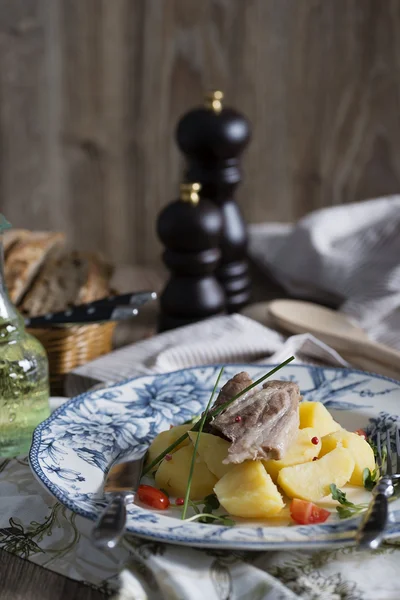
{"x":189,"y":192}
{"x":213,"y":100}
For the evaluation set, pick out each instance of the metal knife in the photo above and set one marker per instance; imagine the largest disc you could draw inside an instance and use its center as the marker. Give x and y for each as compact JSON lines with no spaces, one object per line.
{"x":121,"y":484}
{"x":114,"y":308}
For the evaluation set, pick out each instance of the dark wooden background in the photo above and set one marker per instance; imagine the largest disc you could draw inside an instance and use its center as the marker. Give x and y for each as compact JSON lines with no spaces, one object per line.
{"x":90,"y":91}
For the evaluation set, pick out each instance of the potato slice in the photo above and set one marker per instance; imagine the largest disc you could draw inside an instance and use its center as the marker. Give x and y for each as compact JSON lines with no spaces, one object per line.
{"x":314,"y":414}
{"x":165,"y":439}
{"x":248,"y":491}
{"x":360,"y":450}
{"x":213,"y":450}
{"x":311,"y":481}
{"x":302,"y":450}
{"x":172,"y":475}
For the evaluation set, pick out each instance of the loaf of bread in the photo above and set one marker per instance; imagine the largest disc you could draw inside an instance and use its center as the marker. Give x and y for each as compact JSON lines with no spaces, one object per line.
{"x":44,"y":276}
{"x":26,"y":258}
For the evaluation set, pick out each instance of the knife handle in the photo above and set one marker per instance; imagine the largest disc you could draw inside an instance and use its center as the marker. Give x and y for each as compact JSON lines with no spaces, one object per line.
{"x":84,"y":314}
{"x":373,"y":524}
{"x":134,"y":298}
{"x":111,"y":525}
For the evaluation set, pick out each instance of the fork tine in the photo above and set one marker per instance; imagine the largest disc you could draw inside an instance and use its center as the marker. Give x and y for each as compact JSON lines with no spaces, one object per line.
{"x":379,"y":451}
{"x":389,"y":462}
{"x":398,"y":450}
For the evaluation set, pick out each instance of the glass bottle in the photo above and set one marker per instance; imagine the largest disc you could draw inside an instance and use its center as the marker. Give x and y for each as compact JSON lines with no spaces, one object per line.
{"x":24,"y":381}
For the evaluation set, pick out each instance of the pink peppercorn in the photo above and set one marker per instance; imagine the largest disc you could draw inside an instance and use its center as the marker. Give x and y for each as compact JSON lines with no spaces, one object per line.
{"x":168,"y":457}
{"x":238,"y":419}
{"x":315,"y":440}
{"x":315,"y":458}
{"x":179,"y":501}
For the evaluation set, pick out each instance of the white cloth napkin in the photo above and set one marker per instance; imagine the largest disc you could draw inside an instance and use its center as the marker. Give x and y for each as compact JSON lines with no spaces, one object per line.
{"x":347,"y":255}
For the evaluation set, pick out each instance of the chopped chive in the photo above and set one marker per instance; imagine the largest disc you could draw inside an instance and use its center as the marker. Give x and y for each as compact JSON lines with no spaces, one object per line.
{"x":201,"y":425}
{"x":194,"y":506}
{"x":155,"y":462}
{"x":213,"y":413}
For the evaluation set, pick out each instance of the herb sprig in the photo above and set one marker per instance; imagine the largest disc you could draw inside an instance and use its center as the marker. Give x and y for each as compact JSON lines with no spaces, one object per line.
{"x":347,"y":508}
{"x":206,"y":515}
{"x":201,"y":425}
{"x":213,"y":413}
{"x":370,"y":478}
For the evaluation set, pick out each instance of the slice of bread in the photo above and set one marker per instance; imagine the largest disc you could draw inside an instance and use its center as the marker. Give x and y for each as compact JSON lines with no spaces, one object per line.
{"x":57,"y":286}
{"x":25,"y":259}
{"x":97,"y":285}
{"x":12,"y":236}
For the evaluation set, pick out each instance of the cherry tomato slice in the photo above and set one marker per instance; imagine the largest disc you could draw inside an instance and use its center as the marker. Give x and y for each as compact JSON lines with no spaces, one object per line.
{"x":305,"y":513}
{"x":361,"y":433}
{"x":153,"y":497}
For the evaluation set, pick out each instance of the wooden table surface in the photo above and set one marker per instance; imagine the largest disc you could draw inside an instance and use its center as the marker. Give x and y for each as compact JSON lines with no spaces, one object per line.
{"x":22,"y":580}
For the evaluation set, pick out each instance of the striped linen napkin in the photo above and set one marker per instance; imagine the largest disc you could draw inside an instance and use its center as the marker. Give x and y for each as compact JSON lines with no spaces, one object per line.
{"x":227,"y":339}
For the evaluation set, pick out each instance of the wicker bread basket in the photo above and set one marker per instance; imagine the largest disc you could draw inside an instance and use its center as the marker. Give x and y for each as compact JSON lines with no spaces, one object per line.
{"x":71,"y":347}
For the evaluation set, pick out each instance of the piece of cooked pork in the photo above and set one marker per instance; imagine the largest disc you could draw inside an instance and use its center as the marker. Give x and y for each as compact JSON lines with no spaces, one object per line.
{"x":260,"y":424}
{"x":234,"y":386}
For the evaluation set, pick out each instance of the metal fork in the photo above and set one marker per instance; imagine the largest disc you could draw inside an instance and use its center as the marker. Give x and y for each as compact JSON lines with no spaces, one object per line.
{"x":371,"y":531}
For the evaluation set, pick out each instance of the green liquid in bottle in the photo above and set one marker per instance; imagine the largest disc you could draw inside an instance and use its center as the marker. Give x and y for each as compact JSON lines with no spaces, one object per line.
{"x":24,"y":382}
{"x":24,"y":391}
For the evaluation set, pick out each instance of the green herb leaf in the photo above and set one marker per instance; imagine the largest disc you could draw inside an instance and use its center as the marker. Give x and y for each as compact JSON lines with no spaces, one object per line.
{"x":344,"y":513}
{"x":370,"y":478}
{"x":213,"y":413}
{"x":347,"y":508}
{"x":340,"y":496}
{"x":203,"y":420}
{"x":212,"y":501}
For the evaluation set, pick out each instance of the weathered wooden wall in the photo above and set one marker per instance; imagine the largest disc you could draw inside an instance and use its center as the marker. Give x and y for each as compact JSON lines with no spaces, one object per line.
{"x":90,"y":91}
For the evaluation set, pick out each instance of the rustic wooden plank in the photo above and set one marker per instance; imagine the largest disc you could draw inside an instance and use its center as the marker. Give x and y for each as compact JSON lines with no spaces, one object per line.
{"x":83,"y":147}
{"x":22,"y":580}
{"x":324,"y":100}
{"x":91,"y":90}
{"x":24,"y":189}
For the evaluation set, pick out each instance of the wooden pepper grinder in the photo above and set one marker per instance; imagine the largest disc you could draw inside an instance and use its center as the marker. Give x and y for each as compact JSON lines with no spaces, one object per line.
{"x":190,"y":228}
{"x":213,"y":138}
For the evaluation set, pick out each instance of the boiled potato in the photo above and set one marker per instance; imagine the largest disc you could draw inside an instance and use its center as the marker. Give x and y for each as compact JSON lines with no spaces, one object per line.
{"x":213,"y":450}
{"x":248,"y":491}
{"x":314,"y":414}
{"x":165,"y":439}
{"x":360,"y":450}
{"x":302,"y":450}
{"x":172,"y":475}
{"x":311,"y":481}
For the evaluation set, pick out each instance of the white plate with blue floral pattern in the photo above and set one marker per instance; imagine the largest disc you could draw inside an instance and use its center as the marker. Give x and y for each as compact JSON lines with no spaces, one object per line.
{"x":73,"y":449}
